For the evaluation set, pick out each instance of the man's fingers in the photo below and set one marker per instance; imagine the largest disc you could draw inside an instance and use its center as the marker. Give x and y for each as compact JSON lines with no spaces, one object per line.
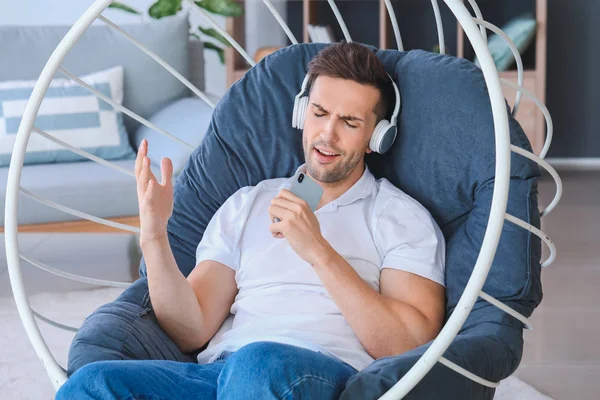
{"x":287,"y":195}
{"x":150,"y":191}
{"x":275,"y":231}
{"x":146,"y":175}
{"x":288,"y":204}
{"x":166,"y":171}
{"x":143,"y":176}
{"x":276,"y":211}
{"x":142,"y":152}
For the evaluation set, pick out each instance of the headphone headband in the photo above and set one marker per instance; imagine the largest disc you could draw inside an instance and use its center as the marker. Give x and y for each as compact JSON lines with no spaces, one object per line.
{"x":398,"y":101}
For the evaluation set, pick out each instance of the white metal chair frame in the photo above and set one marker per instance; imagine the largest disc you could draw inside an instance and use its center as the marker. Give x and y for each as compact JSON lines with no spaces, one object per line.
{"x":498,"y":215}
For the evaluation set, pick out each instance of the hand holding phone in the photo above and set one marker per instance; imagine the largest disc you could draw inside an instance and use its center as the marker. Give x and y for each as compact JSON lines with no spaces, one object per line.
{"x":299,"y":227}
{"x":307,"y":189}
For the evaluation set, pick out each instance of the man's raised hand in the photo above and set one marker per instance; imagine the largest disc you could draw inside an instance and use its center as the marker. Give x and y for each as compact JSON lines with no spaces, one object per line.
{"x":155,"y":200}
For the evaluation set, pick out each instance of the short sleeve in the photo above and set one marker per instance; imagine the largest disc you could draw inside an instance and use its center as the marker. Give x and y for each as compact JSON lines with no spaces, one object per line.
{"x":410,"y":240}
{"x":220,"y":240}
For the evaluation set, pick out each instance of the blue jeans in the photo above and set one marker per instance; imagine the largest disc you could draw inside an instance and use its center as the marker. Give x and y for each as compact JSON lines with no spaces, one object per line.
{"x":258,"y":371}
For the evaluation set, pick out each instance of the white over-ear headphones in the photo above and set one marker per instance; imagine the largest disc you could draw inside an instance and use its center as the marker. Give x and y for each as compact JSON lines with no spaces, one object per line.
{"x":384,"y":134}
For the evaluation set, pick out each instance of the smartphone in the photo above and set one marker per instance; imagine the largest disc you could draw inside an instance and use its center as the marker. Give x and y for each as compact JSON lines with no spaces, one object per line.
{"x":307,"y":189}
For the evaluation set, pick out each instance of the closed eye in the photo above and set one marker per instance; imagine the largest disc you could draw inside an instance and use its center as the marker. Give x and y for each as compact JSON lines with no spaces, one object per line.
{"x":321,"y":115}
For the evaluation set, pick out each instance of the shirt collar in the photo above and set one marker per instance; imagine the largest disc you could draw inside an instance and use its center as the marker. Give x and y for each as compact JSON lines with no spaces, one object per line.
{"x":361,"y":188}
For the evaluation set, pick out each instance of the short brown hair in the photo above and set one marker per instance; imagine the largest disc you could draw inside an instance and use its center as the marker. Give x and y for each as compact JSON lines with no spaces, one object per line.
{"x":358,"y":63}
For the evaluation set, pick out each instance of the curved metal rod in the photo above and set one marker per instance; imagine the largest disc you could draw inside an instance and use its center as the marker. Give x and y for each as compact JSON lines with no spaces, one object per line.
{"x":478,"y":15}
{"x":392,"y":14}
{"x":159,"y":60}
{"x":467,"y":374}
{"x":74,"y":277}
{"x":54,"y":323}
{"x":80,"y":214}
{"x":123,"y":109}
{"x":544,"y":164}
{"x":54,"y":370}
{"x":282,"y":23}
{"x":226,"y":35}
{"x":516,"y":54}
{"x":537,"y":233}
{"x":83,"y":153}
{"x":497,"y":212}
{"x":543,"y":109}
{"x":506,"y":309}
{"x":340,"y":20}
{"x":440,"y":26}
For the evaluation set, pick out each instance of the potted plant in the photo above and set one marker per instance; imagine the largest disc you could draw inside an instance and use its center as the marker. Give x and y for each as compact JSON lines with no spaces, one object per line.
{"x":167,"y":8}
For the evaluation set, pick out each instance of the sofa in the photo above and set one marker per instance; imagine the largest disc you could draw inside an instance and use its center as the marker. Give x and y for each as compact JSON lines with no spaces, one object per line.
{"x":149,"y":90}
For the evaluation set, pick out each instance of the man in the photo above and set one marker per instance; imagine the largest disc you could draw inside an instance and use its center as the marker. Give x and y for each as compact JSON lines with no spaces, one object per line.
{"x":315,"y":296}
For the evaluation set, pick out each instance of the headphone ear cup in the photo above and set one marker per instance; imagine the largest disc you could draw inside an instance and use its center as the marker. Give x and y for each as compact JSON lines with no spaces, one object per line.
{"x":302,"y":107}
{"x":387,"y":138}
{"x":378,"y":132}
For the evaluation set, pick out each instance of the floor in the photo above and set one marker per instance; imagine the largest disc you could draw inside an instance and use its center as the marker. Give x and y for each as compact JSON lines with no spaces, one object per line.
{"x":562,"y":352}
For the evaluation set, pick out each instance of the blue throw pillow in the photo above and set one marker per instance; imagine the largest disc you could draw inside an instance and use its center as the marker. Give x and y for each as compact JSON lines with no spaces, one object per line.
{"x":521,"y":30}
{"x":70,"y":113}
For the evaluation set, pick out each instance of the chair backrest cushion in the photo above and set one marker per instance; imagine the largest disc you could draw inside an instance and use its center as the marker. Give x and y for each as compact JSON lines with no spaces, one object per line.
{"x":444,"y":157}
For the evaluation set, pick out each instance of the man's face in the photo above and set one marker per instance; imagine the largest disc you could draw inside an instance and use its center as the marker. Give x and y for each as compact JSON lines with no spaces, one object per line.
{"x":339,"y":120}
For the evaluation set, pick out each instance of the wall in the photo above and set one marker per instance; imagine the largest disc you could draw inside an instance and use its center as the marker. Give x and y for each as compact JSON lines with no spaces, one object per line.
{"x":262,"y":29}
{"x":66,"y":12}
{"x":573,"y":93}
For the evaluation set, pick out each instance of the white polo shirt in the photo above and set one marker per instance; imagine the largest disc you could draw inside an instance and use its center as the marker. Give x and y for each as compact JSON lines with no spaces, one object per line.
{"x":280,"y":298}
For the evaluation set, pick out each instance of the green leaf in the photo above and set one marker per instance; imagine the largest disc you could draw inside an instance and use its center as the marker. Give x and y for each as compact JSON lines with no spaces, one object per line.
{"x":213,"y":33}
{"x":164,"y":8}
{"x":220,"y":51}
{"x":123,"y":7}
{"x":227,"y":8}
{"x":195,"y":35}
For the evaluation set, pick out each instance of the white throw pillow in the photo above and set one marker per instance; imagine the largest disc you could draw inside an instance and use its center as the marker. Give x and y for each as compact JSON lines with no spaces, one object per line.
{"x":70,"y":113}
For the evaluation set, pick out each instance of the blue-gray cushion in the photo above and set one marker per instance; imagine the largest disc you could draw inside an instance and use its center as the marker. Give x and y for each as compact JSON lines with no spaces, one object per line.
{"x":521,"y":30}
{"x":187,"y":119}
{"x":148,"y":86}
{"x":444,"y":157}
